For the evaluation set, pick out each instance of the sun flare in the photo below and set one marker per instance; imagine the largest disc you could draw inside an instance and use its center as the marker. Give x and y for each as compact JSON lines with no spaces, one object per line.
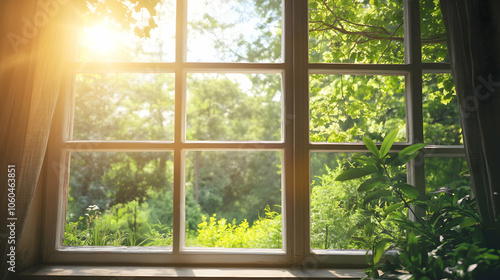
{"x":100,"y":39}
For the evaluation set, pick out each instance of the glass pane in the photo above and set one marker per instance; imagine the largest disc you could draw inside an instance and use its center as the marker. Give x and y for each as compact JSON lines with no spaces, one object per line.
{"x":440,"y":108}
{"x":233,"y":199}
{"x":120,"y":199}
{"x":446,"y":172}
{"x":126,"y":106}
{"x":106,"y":38}
{"x":338,"y":210}
{"x":363,"y":31}
{"x":234,"y":107}
{"x":234,"y":31}
{"x":434,"y":48}
{"x":344,"y":108}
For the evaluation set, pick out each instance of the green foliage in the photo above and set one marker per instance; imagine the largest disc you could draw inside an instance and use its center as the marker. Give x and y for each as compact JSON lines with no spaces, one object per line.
{"x":91,"y":230}
{"x":342,"y":107}
{"x":356,"y":31}
{"x":371,"y":31}
{"x":159,"y":236}
{"x":122,"y":11}
{"x":445,"y":242}
{"x":122,"y":227}
{"x":334,"y":217}
{"x":265,"y":232}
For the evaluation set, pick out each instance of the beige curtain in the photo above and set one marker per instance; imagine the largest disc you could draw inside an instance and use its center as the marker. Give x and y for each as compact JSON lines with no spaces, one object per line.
{"x":37,"y":39}
{"x":473,"y":28}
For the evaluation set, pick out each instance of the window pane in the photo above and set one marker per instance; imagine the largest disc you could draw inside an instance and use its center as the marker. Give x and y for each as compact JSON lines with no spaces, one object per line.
{"x":106,"y":39}
{"x":124,"y":107}
{"x":356,"y":31}
{"x":233,"y":199}
{"x":338,"y":210}
{"x":120,"y":199}
{"x":440,"y":108}
{"x":344,"y":108}
{"x":234,"y":31}
{"x":434,"y":47}
{"x":446,"y":172}
{"x":234,"y":107}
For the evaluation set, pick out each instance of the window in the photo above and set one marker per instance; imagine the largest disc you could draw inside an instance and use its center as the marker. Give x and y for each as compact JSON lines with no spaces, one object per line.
{"x":213,"y":140}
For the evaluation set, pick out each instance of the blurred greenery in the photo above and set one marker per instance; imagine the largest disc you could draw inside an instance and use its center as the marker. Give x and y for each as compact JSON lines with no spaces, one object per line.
{"x":233,"y":198}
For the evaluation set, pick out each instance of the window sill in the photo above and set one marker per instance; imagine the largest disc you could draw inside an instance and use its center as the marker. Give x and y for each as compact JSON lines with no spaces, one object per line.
{"x":144,"y":272}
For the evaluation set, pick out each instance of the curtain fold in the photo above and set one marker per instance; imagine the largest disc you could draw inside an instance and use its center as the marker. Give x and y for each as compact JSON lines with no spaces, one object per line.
{"x":473,"y":30}
{"x":36,"y":41}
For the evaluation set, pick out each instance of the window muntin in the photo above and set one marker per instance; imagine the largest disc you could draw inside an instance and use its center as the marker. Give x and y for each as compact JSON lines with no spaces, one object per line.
{"x":296,"y":202}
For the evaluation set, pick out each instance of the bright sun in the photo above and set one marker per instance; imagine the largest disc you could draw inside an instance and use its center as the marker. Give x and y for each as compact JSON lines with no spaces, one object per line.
{"x":100,"y":39}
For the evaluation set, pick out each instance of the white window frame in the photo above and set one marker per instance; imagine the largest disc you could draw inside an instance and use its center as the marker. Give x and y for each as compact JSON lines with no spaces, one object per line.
{"x":295,"y":147}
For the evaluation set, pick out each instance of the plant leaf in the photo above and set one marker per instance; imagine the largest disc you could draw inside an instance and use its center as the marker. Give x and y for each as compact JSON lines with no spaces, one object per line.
{"x":468,"y":222}
{"x":358,"y":239}
{"x":408,"y":190}
{"x":379,"y":250}
{"x":368,"y":184}
{"x":354,"y":173}
{"x":411,"y":149}
{"x":391,"y":208}
{"x":371,"y":146}
{"x":376,"y":195}
{"x":402,"y":160}
{"x":388,"y":141}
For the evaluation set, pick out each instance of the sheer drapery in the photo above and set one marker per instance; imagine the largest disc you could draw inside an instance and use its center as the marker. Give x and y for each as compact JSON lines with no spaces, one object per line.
{"x":473,"y":29}
{"x":36,"y":40}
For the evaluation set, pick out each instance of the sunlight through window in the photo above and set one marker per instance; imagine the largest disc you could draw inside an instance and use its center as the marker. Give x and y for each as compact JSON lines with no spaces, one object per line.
{"x":101,"y":39}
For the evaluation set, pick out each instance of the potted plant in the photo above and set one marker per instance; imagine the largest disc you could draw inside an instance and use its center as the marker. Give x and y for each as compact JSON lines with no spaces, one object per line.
{"x":413,"y":235}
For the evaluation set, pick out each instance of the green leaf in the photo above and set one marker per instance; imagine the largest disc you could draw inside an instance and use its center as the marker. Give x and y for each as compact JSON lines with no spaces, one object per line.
{"x":488,"y":256}
{"x":379,"y":250}
{"x":371,"y":146}
{"x":358,"y":239}
{"x":408,"y":190}
{"x":411,"y":149}
{"x":376,"y":195}
{"x":402,"y":160}
{"x":391,"y":208}
{"x":354,"y":173}
{"x":468,"y":222}
{"x":366,"y":160}
{"x":368,"y":184}
{"x":388,"y":141}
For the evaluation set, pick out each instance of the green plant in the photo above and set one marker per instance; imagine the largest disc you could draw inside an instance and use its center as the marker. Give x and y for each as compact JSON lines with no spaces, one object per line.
{"x":89,"y":230}
{"x":264,"y":233}
{"x":443,"y":240}
{"x":159,"y":236}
